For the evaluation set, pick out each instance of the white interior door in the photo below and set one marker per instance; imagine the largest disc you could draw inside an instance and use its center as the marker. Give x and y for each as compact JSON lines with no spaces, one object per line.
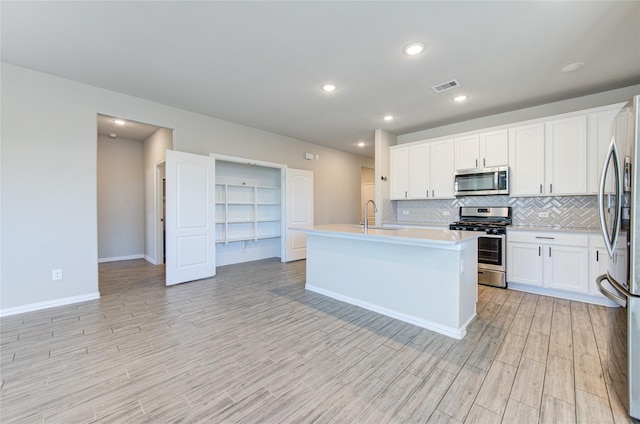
{"x":190,"y":218}
{"x":368,"y":193}
{"x":299,"y":211}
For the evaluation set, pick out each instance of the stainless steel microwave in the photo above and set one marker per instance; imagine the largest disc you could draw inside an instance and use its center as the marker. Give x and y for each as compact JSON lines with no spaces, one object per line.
{"x":481,"y":181}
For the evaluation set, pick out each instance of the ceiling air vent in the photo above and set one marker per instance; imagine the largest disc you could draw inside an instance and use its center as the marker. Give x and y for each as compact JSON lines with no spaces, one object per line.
{"x":446,"y":86}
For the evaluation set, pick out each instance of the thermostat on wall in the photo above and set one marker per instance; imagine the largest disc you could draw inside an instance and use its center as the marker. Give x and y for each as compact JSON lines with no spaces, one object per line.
{"x":308,"y":156}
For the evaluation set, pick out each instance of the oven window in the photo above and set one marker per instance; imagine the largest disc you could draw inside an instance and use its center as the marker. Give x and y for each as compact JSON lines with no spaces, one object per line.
{"x":490,"y":250}
{"x":475,"y":182}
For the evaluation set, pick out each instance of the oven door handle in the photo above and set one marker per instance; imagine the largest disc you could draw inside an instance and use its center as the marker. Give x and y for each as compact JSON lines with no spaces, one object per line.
{"x":615,"y":297}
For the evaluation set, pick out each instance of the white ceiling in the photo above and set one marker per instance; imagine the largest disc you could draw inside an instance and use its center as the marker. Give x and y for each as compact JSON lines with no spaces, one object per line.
{"x":130,"y":130}
{"x":261,"y":64}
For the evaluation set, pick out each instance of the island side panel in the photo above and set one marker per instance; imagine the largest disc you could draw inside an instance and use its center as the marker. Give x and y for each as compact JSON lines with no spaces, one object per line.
{"x":469,"y":282}
{"x":417,"y":284}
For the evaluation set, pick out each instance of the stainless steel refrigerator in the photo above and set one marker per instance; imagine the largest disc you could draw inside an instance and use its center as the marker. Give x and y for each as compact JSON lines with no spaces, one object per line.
{"x":619,"y":218}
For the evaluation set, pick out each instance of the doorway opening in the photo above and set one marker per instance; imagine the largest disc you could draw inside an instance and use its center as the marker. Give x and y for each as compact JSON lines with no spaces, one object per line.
{"x":130,"y":195}
{"x":367,"y":192}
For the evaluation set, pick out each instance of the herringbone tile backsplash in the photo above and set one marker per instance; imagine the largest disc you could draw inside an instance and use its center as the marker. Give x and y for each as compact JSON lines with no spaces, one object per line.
{"x":564,"y":211}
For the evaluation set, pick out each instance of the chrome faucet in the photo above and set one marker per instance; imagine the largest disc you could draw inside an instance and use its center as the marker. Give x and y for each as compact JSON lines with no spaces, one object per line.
{"x":366,"y":218}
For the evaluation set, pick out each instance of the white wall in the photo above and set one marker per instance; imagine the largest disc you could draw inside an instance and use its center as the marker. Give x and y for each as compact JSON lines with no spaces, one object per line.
{"x":571,"y":105}
{"x":49,"y":184}
{"x":383,"y":140}
{"x":120,"y":198}
{"x":154,"y":153}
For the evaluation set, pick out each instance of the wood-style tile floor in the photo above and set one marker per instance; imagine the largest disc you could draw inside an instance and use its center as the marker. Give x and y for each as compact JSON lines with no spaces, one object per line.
{"x":252,"y":346}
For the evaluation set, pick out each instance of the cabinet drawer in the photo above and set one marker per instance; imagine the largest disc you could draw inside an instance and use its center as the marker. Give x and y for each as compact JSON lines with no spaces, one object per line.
{"x":596,"y":241}
{"x":540,"y":237}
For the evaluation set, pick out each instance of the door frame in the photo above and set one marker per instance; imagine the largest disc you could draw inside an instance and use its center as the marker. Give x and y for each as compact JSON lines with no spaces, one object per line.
{"x":159,"y":213}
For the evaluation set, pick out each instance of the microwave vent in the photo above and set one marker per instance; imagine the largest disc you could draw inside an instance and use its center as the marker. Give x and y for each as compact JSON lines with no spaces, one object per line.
{"x":446,"y":86}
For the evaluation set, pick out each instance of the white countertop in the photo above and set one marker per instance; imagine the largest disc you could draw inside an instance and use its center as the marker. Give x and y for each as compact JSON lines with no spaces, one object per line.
{"x":416,"y":236}
{"x":417,"y":224}
{"x":554,"y":228}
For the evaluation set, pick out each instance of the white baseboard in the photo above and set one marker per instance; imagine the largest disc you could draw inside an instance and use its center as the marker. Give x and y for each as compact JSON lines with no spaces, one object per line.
{"x":48,"y":304}
{"x":151,"y":260}
{"x":122,"y":258}
{"x":456,"y":333}
{"x":580,"y":297}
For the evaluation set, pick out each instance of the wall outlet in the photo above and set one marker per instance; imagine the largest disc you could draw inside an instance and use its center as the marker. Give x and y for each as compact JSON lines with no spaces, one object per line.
{"x":446,"y":213}
{"x":405,"y":212}
{"x":56,"y":274}
{"x":543,"y":214}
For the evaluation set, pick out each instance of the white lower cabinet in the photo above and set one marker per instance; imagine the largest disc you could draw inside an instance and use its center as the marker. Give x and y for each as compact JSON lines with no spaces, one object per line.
{"x":563,"y":264}
{"x":600,"y":262}
{"x":568,"y":267}
{"x":524,"y":263}
{"x":549,"y":260}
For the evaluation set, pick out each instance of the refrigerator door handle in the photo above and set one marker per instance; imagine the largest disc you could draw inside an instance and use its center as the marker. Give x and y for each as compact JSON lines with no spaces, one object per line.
{"x":610,"y":241}
{"x":615,"y":297}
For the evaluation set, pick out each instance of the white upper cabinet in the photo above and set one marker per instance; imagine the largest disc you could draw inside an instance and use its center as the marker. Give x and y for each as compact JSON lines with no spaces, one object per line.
{"x":484,"y":149}
{"x":494,"y":148}
{"x":419,"y":182}
{"x":441,"y":167}
{"x":526,"y":160}
{"x":399,"y":172}
{"x":598,"y":139}
{"x":566,"y":156}
{"x":468,"y":152}
{"x":549,"y":158}
{"x":422,"y":171}
{"x":559,"y":155}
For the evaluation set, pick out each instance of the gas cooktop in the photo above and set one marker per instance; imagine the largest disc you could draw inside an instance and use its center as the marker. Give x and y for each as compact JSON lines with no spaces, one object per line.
{"x":491,"y":220}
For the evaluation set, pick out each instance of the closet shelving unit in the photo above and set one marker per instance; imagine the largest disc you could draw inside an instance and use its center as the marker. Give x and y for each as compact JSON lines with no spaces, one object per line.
{"x":247,"y":212}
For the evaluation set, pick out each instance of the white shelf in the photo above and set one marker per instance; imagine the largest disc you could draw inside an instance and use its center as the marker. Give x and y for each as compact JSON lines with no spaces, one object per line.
{"x":247,"y":213}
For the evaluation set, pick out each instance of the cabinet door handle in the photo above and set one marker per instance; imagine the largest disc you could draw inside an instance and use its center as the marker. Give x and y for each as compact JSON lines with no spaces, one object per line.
{"x":405,"y":194}
{"x":476,"y":163}
{"x":545,"y":238}
{"x":433,"y":193}
{"x":427,"y":193}
{"x":540,"y":188}
{"x":539,"y":250}
{"x":484,"y":161}
{"x":549,"y":251}
{"x":597,"y":256}
{"x":550,"y":188}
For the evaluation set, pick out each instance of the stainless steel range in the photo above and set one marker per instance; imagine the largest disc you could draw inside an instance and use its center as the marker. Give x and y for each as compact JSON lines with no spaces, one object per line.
{"x":493,"y":221}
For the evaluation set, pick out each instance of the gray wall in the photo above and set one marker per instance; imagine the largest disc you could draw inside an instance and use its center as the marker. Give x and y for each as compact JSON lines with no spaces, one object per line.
{"x":48,"y":198}
{"x":571,"y":105}
{"x":120,"y":198}
{"x":154,"y":153}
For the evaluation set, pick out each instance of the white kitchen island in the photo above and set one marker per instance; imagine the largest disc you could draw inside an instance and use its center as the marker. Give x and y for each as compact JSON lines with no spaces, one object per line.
{"x":421,"y":276}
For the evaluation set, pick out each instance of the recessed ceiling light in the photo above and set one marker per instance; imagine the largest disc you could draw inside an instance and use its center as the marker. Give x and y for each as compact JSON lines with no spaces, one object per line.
{"x":119,"y":121}
{"x":388,"y":118}
{"x":329,"y":88}
{"x":573,"y":67}
{"x":414,"y":49}
{"x":361,"y":144}
{"x":460,"y":98}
